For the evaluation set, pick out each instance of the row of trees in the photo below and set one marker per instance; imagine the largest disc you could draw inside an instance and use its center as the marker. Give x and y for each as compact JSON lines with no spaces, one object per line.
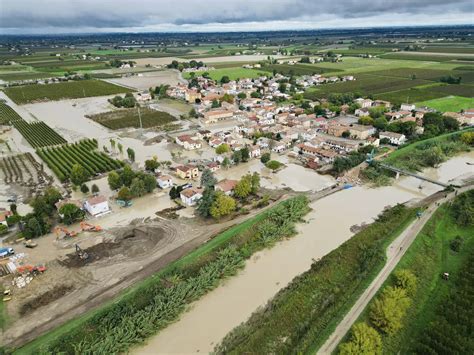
{"x":128,"y":101}
{"x":386,"y":314}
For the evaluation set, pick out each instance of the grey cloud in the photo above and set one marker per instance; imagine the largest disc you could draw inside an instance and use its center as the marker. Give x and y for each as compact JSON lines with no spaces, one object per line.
{"x":30,"y":15}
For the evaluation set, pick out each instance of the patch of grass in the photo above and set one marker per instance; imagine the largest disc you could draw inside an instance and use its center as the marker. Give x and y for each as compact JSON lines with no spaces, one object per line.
{"x":302,"y":315}
{"x":129,"y":118}
{"x":449,"y":103}
{"x":428,"y":258}
{"x":65,"y":90}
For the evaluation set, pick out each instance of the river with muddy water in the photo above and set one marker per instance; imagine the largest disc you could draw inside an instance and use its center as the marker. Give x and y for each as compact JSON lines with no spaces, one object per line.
{"x":328,"y":226}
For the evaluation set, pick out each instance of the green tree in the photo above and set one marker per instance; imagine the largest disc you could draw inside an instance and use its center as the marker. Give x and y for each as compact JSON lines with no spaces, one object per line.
{"x":225,"y":79}
{"x":114,"y":180}
{"x":149,"y":182}
{"x":265,"y":158}
{"x":84,"y":188}
{"x":131,"y":154}
{"x":52,"y":196}
{"x":406,"y":280}
{"x":151,"y":164}
{"x":273,"y":165}
{"x":226,"y":163}
{"x":244,"y":187}
{"x":346,"y":134}
{"x":228,"y":98}
{"x":79,"y":175}
{"x":124,"y":194}
{"x":71,"y":213}
{"x":205,"y":203}
{"x":380,"y":123}
{"x":222,"y":206}
{"x":126,"y":175}
{"x":208,"y":179}
{"x":467,"y":138}
{"x":223,"y":148}
{"x":245,"y":154}
{"x":193,"y":113}
{"x":237,"y":156}
{"x":366,"y":121}
{"x":242,"y":95}
{"x":112,"y":143}
{"x":255,"y":183}
{"x":120,"y":148}
{"x":215,"y":104}
{"x":364,"y":340}
{"x":95,"y":189}
{"x":137,"y":187}
{"x":389,"y":309}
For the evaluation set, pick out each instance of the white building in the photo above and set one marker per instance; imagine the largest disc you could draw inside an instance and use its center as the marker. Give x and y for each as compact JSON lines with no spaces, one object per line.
{"x":395,"y":138}
{"x":191,"y":196}
{"x":164,"y":181}
{"x":97,"y":206}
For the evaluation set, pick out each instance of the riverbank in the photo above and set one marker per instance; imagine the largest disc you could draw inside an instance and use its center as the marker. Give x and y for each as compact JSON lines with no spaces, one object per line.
{"x":269,"y":271}
{"x":444,"y":245}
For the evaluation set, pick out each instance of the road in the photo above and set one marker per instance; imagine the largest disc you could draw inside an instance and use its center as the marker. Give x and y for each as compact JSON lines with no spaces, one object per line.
{"x":395,"y":251}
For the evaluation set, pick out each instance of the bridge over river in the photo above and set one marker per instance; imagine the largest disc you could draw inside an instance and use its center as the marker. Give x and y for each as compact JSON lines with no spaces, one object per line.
{"x":418,"y":176}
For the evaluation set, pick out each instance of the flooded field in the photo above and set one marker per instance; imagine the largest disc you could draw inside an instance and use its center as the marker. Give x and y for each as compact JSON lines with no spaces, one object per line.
{"x":328,"y":226}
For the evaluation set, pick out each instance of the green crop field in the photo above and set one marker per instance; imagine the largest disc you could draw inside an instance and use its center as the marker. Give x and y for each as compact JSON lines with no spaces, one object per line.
{"x":24,"y":75}
{"x":66,"y":90}
{"x":449,"y":103}
{"x":61,"y":159}
{"x":129,"y":118}
{"x":38,"y":134}
{"x":298,"y":69}
{"x":233,"y":73}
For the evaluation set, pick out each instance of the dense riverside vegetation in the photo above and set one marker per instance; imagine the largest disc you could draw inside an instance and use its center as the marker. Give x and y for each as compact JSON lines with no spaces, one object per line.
{"x":430,"y":315}
{"x":419,"y":155}
{"x":159,"y":300}
{"x":301,"y":316}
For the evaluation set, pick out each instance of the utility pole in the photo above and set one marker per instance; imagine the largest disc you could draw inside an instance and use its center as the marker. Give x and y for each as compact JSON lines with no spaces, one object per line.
{"x":140,"y":117}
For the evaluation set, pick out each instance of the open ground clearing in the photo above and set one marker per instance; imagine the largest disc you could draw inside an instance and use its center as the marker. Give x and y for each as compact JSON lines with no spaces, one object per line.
{"x":65,"y":90}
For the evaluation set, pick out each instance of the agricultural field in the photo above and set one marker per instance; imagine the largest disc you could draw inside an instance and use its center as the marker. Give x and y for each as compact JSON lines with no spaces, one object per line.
{"x":439,"y":311}
{"x":448,"y":103}
{"x":297,"y":69}
{"x":23,"y":169}
{"x":233,"y":73}
{"x":23,"y":75}
{"x":129,"y":118}
{"x":65,"y":90}
{"x":61,"y":159}
{"x":38,"y":134}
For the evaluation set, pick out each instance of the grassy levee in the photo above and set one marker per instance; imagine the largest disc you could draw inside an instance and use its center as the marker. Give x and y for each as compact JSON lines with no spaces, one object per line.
{"x":302,"y":316}
{"x":151,"y":305}
{"x":428,"y":258}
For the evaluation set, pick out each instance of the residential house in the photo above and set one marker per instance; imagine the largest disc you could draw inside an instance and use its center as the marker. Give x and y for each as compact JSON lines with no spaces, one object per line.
{"x":407,"y":107}
{"x":191,"y":195}
{"x":187,"y":171}
{"x":226,"y":186}
{"x":255,"y":151}
{"x":213,"y":166}
{"x":4,"y":214}
{"x":188,"y":142}
{"x":164,"y":181}
{"x":395,"y":138}
{"x":97,"y":205}
{"x":279,"y":147}
{"x":360,"y":131}
{"x":214,"y":116}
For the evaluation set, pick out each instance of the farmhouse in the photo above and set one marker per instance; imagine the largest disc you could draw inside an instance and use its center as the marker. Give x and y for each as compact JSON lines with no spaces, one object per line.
{"x":97,"y":206}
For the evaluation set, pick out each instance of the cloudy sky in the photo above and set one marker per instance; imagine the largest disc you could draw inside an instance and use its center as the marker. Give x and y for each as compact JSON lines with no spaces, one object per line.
{"x":77,"y":16}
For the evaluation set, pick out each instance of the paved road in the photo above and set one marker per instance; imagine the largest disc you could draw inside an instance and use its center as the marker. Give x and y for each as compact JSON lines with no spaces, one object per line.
{"x":394,"y":253}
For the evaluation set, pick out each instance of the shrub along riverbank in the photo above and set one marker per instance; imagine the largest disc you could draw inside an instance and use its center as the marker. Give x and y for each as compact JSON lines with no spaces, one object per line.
{"x":419,"y":155}
{"x":159,"y":300}
{"x":429,"y":315}
{"x":301,"y":316}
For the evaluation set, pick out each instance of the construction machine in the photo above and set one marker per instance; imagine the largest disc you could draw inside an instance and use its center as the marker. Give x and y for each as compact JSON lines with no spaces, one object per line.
{"x":82,"y":254}
{"x":67,"y":233}
{"x":90,"y":228}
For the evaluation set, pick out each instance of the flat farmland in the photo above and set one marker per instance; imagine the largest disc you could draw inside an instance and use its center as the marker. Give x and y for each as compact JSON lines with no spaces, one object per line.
{"x":298,"y":69}
{"x":149,"y":79}
{"x":66,"y":90}
{"x":449,"y":103}
{"x":129,"y":118}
